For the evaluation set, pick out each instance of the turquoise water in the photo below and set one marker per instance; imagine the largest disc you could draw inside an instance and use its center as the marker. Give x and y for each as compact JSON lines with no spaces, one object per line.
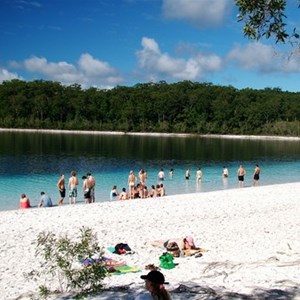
{"x":31,"y":162}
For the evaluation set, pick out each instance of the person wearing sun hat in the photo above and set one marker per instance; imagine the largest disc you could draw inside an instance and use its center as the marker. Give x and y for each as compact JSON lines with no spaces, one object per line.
{"x":154,"y":283}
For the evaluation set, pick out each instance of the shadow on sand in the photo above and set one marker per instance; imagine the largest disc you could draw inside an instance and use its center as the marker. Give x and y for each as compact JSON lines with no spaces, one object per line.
{"x":194,"y":292}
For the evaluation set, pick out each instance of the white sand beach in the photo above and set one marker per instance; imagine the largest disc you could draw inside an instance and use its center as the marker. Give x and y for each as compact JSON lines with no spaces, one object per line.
{"x":252,"y":238}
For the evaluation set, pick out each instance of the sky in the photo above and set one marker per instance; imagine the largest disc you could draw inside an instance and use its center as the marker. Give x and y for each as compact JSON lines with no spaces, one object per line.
{"x":108,"y":43}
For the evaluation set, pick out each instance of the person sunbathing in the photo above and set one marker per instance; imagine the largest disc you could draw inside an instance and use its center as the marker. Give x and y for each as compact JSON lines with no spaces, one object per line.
{"x":185,"y":245}
{"x":189,"y":247}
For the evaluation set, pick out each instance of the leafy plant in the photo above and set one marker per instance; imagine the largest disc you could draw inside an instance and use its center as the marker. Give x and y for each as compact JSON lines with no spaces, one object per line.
{"x":61,"y":261}
{"x":265,"y":19}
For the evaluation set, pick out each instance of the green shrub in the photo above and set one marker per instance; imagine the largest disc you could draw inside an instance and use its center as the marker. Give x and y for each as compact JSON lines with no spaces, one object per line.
{"x":61,"y":258}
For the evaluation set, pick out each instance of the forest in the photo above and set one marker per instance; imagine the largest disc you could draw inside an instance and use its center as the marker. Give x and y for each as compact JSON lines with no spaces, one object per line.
{"x":182,"y":107}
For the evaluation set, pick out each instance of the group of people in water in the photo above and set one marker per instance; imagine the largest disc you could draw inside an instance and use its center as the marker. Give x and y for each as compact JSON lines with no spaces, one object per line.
{"x":137,"y":187}
{"x":88,"y":184}
{"x":140,"y":190}
{"x":242,"y":172}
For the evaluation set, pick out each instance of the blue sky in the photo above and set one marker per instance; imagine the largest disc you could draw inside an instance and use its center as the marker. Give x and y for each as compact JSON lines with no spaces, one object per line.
{"x":105,"y":43}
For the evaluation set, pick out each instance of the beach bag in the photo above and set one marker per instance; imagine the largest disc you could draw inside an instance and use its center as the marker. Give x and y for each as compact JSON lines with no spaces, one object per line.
{"x":122,"y":248}
{"x":166,"y":261}
{"x":173,"y":249}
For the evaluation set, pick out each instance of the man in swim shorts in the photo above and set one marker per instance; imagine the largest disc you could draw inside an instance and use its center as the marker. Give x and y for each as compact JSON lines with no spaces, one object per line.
{"x":187,"y":174}
{"x":86,"y":190}
{"x":72,"y":185}
{"x":241,"y":174}
{"x":91,"y":184}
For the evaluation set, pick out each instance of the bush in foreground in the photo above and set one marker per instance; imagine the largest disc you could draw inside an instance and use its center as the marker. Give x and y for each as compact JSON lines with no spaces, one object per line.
{"x":61,"y":258}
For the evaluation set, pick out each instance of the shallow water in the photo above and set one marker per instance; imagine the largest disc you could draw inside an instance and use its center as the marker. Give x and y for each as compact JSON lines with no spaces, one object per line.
{"x":31,"y":162}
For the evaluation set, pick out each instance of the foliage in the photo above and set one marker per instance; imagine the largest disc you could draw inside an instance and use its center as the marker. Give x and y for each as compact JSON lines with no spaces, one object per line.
{"x":61,"y":258}
{"x":182,"y":107}
{"x":265,"y":18}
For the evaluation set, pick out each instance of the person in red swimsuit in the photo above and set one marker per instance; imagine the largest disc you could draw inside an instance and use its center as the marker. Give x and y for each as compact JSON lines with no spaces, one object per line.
{"x":24,"y":202}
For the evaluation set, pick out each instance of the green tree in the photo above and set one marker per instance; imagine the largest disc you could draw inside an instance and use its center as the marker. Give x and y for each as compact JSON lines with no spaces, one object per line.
{"x":61,"y":257}
{"x":266,"y":18}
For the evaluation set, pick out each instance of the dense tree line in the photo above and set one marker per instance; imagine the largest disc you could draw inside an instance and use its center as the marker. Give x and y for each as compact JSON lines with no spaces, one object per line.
{"x":183,"y":107}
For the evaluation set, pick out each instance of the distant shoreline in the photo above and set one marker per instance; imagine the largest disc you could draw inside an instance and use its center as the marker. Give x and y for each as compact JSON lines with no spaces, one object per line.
{"x":229,"y":136}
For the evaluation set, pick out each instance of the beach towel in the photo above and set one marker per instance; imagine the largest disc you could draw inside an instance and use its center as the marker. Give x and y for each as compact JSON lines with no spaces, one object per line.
{"x":105,"y":261}
{"x":111,"y":249}
{"x":112,"y":266}
{"x":123,"y":270}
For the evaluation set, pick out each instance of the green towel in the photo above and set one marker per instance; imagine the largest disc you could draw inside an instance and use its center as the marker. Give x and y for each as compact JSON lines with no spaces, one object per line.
{"x":124,"y":269}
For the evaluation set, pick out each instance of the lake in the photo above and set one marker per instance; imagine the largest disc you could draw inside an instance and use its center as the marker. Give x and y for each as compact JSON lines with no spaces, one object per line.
{"x":31,"y":162}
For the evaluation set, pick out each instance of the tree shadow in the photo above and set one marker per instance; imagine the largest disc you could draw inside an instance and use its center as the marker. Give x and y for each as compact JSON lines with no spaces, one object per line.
{"x":191,"y":291}
{"x":206,"y":293}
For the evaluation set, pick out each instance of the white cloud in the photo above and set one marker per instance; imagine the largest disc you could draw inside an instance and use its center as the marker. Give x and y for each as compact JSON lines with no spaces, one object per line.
{"x":6,"y":75}
{"x":36,"y":64}
{"x":160,"y":65}
{"x":263,"y":58}
{"x":94,"y":67}
{"x":202,"y":13}
{"x":88,"y":71}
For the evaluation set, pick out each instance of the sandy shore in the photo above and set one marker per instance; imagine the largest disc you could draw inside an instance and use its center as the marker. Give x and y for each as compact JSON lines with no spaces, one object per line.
{"x":252,"y":238}
{"x":90,"y":132}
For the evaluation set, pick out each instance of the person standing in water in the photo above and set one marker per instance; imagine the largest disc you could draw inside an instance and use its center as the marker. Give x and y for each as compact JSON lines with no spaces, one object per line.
{"x":187,"y":174}
{"x":62,"y":189}
{"x":72,"y":185}
{"x":91,"y":183}
{"x":225,"y":172}
{"x":86,"y":190}
{"x":199,"y":175}
{"x":256,"y":175}
{"x":241,"y":175}
{"x":131,"y":184}
{"x":161,"y":175}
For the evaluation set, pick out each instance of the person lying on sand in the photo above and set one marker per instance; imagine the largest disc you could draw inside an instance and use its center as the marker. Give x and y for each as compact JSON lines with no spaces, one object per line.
{"x":186,"y":245}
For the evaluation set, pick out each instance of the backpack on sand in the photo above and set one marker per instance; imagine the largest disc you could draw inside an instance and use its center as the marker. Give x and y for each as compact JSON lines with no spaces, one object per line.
{"x":166,"y":261}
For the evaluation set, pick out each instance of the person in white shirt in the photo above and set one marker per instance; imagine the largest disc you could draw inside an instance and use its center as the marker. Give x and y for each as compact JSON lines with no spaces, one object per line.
{"x":225,"y":172}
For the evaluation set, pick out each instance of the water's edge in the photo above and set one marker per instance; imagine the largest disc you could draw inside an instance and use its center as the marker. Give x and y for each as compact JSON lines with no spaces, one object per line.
{"x":229,"y":136}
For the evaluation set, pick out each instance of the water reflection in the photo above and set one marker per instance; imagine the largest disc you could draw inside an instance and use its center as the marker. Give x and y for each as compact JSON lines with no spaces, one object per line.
{"x":225,"y":183}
